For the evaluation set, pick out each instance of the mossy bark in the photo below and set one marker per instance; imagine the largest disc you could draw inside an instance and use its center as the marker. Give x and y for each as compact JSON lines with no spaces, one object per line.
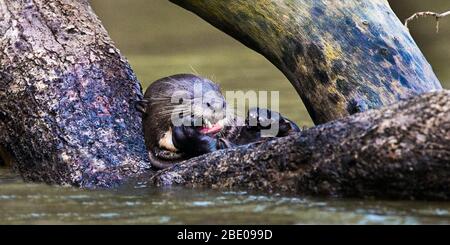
{"x":67,"y":111}
{"x":342,"y":57}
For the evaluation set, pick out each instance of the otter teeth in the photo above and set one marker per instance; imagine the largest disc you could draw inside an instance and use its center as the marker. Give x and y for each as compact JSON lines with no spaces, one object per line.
{"x":222,"y":122}
{"x":208,"y":123}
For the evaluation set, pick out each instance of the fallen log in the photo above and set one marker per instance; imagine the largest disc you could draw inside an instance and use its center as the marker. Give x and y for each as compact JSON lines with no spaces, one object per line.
{"x":401,"y":151}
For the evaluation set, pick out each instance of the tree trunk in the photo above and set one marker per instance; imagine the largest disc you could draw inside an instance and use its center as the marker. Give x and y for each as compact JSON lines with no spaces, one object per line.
{"x":402,"y":151}
{"x":342,"y":57}
{"x":67,"y":96}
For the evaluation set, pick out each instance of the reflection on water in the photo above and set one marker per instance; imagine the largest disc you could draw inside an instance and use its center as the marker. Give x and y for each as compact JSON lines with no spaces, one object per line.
{"x":40,"y":204}
{"x":161,"y":39}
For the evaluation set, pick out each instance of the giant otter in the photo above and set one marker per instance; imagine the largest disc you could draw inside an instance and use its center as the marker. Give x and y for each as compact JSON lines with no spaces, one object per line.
{"x":185,"y":116}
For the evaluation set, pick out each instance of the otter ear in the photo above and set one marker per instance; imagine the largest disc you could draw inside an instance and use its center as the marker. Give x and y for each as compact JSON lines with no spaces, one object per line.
{"x":141,"y":105}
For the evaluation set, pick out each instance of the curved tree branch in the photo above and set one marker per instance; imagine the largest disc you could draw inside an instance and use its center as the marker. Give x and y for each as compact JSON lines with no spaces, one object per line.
{"x":342,"y":57}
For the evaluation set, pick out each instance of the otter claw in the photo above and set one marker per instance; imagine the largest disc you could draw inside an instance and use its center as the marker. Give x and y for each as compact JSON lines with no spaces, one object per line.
{"x":262,"y":118}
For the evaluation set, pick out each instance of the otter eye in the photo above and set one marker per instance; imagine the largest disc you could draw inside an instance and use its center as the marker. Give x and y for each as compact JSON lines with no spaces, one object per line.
{"x":208,"y":104}
{"x":181,"y":101}
{"x":180,"y":115}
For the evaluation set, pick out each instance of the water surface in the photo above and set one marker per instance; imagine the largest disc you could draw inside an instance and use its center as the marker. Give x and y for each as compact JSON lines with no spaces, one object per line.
{"x":22,"y":203}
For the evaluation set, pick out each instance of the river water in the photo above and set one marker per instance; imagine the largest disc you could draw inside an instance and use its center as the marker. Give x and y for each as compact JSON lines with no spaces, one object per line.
{"x":40,"y":204}
{"x":160,"y":39}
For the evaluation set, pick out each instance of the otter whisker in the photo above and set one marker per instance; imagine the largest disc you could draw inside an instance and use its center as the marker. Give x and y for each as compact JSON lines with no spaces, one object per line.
{"x":171,"y":111}
{"x":174,"y":107}
{"x":165,"y":99}
{"x":195,"y":72}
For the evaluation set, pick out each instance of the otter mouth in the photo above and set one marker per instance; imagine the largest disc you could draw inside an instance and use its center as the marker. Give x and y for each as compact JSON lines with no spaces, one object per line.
{"x":210,"y":128}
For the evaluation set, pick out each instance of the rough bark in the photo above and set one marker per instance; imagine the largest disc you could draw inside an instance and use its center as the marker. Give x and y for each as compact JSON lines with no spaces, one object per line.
{"x":401,"y":151}
{"x":67,"y":111}
{"x":342,"y":56}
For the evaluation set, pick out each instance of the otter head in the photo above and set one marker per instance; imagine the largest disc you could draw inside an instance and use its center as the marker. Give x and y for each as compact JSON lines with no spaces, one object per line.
{"x":186,"y":100}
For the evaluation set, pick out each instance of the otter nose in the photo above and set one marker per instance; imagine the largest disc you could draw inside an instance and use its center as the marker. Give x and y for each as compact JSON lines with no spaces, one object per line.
{"x":215,"y":106}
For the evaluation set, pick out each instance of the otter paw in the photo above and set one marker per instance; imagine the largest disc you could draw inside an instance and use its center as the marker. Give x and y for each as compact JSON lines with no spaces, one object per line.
{"x":265,"y":119}
{"x":190,"y":141}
